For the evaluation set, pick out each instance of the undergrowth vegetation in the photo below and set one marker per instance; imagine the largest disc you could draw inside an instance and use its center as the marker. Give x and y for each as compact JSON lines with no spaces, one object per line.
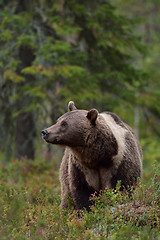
{"x":30,"y":199}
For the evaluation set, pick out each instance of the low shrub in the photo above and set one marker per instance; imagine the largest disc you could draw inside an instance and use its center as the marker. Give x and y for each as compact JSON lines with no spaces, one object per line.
{"x":30,"y":199}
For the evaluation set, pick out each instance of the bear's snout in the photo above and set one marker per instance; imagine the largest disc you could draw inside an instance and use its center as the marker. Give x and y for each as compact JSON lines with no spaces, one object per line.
{"x":44,"y":133}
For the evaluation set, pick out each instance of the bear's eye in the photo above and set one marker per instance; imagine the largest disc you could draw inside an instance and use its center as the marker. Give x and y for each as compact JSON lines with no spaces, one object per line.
{"x":63,"y":124}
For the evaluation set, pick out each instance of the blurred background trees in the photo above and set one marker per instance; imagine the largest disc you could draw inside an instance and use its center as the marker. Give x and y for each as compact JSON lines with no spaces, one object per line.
{"x":101,"y":54}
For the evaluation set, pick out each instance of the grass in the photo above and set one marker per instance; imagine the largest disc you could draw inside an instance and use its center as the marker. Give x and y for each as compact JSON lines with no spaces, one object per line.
{"x":30,"y":199}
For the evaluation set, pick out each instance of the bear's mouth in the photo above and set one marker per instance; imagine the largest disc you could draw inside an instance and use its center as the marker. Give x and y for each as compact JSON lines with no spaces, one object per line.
{"x":46,"y":138}
{"x":50,"y":139}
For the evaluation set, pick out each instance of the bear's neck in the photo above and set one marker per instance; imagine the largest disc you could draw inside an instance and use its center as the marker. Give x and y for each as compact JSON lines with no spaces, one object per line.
{"x":97,"y":153}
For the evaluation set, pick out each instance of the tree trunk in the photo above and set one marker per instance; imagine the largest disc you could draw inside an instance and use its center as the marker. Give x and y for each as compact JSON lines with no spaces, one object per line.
{"x":25,"y":134}
{"x":25,"y":124}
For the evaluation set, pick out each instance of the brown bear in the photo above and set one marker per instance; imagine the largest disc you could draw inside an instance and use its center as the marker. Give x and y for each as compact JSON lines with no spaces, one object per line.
{"x":100,"y":150}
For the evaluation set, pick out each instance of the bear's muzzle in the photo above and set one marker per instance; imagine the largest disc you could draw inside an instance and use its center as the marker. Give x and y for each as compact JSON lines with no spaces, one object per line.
{"x":44,"y":133}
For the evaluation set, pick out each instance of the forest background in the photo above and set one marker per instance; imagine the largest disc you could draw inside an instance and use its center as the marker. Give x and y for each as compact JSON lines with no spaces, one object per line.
{"x":102,"y":54}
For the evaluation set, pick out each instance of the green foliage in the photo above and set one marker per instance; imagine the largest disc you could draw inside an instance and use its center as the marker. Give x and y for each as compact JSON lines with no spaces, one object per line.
{"x":148,"y":18}
{"x":76,"y":50}
{"x":29,"y":207}
{"x":12,"y":76}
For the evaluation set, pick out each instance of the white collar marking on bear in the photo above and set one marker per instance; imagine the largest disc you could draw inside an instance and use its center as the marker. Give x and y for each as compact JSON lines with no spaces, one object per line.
{"x":119,"y":134}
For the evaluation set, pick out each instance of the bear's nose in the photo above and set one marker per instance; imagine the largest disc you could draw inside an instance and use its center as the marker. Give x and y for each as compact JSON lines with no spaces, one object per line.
{"x":44,"y":133}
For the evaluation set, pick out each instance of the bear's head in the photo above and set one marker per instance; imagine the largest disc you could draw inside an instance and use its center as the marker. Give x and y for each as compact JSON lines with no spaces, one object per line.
{"x":72,"y":128}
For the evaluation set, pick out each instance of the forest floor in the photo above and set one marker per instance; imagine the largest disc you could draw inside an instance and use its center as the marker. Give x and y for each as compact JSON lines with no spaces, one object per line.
{"x":30,"y":199}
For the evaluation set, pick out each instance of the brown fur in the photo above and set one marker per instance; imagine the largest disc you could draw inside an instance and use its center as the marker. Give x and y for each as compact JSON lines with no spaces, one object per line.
{"x":100,"y":150}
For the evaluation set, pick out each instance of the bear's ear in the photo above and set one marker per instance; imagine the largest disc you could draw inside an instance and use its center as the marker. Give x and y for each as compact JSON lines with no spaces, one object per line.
{"x":92,"y":116}
{"x":71,"y":106}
